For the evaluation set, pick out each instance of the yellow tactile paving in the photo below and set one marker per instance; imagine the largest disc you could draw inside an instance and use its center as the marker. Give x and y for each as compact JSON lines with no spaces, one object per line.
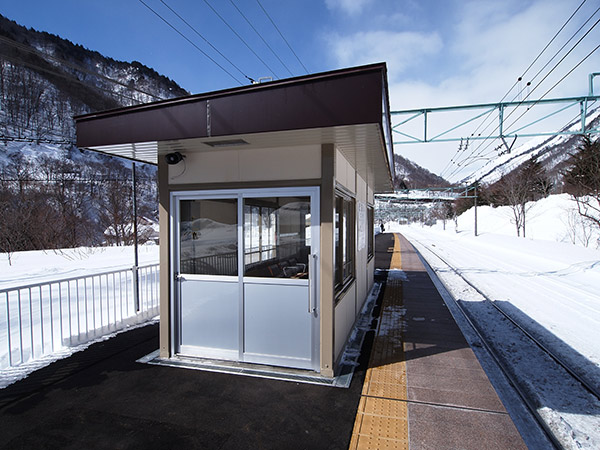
{"x":396,"y":262}
{"x":382,"y":416}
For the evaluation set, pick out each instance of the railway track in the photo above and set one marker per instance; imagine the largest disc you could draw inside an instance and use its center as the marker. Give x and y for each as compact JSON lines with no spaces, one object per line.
{"x":537,"y":372}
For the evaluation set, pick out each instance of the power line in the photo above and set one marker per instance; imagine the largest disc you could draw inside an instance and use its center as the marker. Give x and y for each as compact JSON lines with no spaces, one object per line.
{"x":190,"y":41}
{"x":261,"y":37}
{"x":536,"y":59}
{"x":207,"y":41}
{"x":562,"y":48}
{"x":43,"y":55}
{"x":527,"y":70}
{"x":557,"y":83}
{"x":238,"y":36}
{"x":569,"y":123}
{"x":63,"y":75}
{"x":282,"y":36}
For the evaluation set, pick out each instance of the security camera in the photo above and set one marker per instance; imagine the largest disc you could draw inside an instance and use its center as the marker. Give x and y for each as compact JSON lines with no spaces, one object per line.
{"x":173,"y":158}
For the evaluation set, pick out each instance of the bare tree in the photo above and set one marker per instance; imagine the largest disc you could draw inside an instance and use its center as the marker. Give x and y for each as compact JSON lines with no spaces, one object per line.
{"x":512,"y":190}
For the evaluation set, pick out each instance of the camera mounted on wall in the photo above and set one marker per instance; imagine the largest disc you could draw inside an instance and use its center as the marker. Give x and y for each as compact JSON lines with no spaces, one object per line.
{"x":174,"y":158}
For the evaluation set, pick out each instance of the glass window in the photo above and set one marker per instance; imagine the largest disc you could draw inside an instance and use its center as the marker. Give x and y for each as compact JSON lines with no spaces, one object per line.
{"x":344,"y":240}
{"x":208,"y":233}
{"x":277,"y":237}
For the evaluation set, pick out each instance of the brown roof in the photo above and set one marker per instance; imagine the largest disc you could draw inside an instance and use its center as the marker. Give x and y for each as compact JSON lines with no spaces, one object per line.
{"x":347,"y":107}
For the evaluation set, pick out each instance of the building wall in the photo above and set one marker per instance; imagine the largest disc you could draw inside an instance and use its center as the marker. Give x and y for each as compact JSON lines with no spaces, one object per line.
{"x":350,"y":303}
{"x":294,"y":165}
{"x":240,"y":164}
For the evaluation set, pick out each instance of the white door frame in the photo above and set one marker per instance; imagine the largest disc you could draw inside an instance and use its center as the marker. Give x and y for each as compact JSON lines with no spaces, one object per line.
{"x":313,"y":281}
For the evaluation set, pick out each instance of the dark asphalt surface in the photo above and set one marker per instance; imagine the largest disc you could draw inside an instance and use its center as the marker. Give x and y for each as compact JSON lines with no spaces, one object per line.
{"x":102,"y":399}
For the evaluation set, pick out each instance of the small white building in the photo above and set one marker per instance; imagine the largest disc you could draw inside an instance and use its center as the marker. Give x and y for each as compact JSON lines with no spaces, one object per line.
{"x":266,"y":211}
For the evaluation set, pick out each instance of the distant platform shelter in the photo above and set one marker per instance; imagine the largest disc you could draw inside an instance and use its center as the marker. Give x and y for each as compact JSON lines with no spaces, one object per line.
{"x":266,"y":199}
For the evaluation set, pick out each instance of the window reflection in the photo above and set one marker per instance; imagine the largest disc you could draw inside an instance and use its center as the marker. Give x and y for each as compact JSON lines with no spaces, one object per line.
{"x":277,"y":237}
{"x":208,"y":236}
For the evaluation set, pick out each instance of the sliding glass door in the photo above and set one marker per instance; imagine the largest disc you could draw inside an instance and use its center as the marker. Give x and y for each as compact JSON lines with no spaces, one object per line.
{"x":246,"y":270}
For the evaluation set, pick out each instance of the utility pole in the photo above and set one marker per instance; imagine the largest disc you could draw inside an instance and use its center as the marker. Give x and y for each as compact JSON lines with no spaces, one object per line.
{"x":136,"y":287}
{"x":475,"y":205}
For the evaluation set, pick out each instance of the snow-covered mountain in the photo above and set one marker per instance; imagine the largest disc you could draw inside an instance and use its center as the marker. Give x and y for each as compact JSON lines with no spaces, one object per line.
{"x":51,"y":193}
{"x":46,"y":80}
{"x":553,"y":152}
{"x":410,"y":175}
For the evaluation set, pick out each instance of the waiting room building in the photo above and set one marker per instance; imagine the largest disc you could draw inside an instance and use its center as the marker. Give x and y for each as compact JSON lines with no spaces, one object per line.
{"x":266,"y":200}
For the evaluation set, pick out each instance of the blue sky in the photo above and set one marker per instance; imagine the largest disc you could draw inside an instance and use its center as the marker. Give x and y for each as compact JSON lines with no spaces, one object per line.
{"x":439,"y":52}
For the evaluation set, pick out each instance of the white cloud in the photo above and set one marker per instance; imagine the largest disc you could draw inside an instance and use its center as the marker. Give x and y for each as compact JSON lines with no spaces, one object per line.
{"x":350,"y":7}
{"x":471,"y":52}
{"x":400,"y":50}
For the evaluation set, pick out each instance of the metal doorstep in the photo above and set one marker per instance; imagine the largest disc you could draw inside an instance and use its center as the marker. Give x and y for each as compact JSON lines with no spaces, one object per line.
{"x":252,"y":370}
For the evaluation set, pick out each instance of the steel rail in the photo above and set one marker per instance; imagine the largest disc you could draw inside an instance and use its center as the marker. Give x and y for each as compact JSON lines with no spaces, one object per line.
{"x":512,"y":379}
{"x":591,"y":389}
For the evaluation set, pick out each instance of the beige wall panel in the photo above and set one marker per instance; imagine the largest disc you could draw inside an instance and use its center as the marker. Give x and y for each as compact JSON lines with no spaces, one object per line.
{"x":351,"y":177}
{"x":370,"y":195}
{"x":327,"y":236}
{"x":361,"y":189}
{"x":289,"y":163}
{"x":345,"y":315}
{"x":164,"y":260}
{"x":340,"y":168}
{"x":371,"y":274}
{"x":212,"y":166}
{"x":247,"y":165}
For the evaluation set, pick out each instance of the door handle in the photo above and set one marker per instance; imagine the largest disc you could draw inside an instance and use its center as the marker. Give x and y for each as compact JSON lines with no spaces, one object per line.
{"x":312,"y":273}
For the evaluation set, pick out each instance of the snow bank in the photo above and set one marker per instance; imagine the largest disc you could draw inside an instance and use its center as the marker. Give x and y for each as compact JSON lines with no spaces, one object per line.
{"x":554,"y":218}
{"x":46,"y":265}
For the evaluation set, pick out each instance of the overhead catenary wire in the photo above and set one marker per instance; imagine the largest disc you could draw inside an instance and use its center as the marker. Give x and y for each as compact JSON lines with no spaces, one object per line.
{"x":569,"y":123}
{"x":238,"y":36}
{"x":190,"y":41}
{"x":528,"y":84}
{"x":207,"y":41}
{"x":261,"y":37}
{"x":556,"y":84}
{"x":558,"y":52}
{"x":282,"y":36}
{"x":535,"y":60}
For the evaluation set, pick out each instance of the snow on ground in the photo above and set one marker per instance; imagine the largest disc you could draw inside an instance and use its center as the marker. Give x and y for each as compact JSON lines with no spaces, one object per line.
{"x":543,"y":281}
{"x":79,"y":321}
{"x":555,"y":283}
{"x":48,"y":265}
{"x":554,"y":218}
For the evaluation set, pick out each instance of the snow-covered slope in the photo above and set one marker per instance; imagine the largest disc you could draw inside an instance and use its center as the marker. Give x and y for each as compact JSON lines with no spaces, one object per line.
{"x":552,"y":152}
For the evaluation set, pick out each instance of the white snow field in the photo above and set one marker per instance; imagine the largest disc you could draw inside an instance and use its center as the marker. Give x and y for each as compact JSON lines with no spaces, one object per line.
{"x":545,"y":283}
{"x":53,"y":303}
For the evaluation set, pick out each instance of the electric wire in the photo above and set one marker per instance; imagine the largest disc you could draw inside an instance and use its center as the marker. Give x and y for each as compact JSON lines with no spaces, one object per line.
{"x":65,"y":76}
{"x":190,"y":41}
{"x":543,"y":79}
{"x":261,"y":37}
{"x":526,"y":71}
{"x":561,"y":49}
{"x":238,"y":36}
{"x":540,"y":55}
{"x":570,"y":123}
{"x":43,"y":55}
{"x":207,"y":41}
{"x":556,"y":84}
{"x":282,"y":36}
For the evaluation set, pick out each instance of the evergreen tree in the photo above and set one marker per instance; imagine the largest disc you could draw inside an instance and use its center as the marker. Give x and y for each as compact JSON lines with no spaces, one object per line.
{"x":583,"y":180}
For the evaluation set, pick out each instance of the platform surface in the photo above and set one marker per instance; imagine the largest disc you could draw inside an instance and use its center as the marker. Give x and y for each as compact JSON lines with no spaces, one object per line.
{"x":424,"y":387}
{"x":417,"y":385}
